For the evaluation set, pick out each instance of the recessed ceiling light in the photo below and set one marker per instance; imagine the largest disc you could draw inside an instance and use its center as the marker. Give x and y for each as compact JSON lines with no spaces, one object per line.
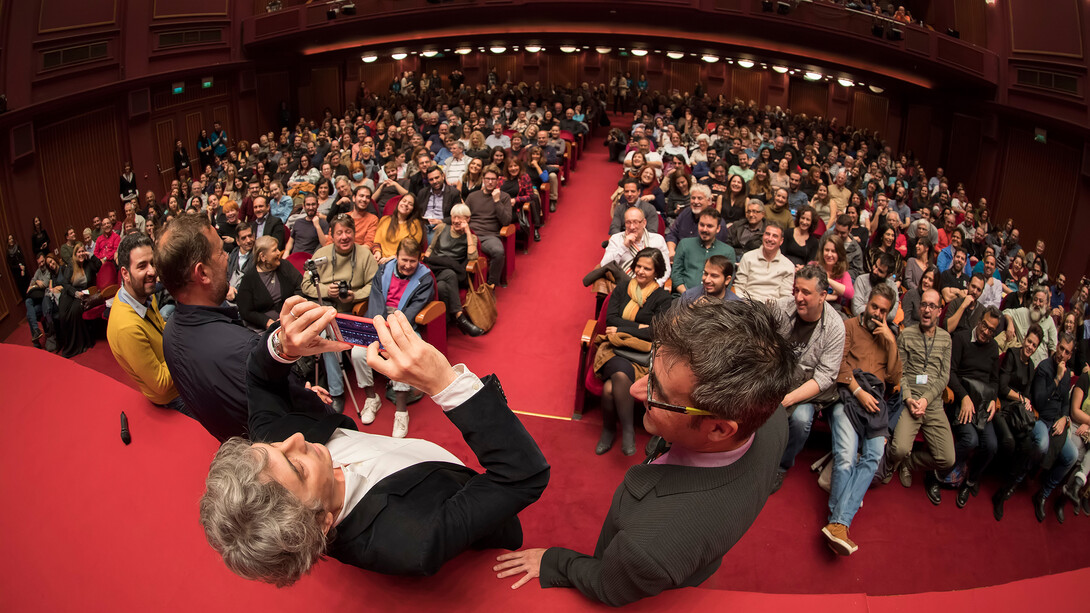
{"x":367,"y":59}
{"x":780,"y":69}
{"x":568,"y":48}
{"x":675,"y":55}
{"x":745,"y":63}
{"x":463,"y":50}
{"x":813,"y":76}
{"x":533,"y":48}
{"x":399,"y":56}
{"x":429,"y":53}
{"x":711,"y":59}
{"x":846,"y":82}
{"x":639,"y":52}
{"x":497,"y":49}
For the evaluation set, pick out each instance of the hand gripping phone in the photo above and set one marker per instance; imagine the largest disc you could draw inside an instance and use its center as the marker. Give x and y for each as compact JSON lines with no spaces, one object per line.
{"x":353,"y":330}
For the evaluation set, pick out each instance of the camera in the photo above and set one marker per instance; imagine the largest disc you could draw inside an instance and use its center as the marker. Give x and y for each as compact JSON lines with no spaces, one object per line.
{"x":342,"y":289}
{"x":312,"y":264}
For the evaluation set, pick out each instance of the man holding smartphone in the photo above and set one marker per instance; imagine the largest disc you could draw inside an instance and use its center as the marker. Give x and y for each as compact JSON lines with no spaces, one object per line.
{"x":305,"y":486}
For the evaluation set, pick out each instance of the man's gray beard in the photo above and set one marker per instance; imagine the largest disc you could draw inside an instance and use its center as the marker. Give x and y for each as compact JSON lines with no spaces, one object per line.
{"x":1036,"y":316}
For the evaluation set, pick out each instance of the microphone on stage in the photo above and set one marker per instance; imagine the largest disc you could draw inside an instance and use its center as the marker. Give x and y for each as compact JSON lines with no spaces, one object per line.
{"x":125,"y":438}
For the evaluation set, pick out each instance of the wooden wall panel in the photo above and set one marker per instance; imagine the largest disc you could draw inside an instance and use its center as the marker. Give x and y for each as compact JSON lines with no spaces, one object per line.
{"x":222,"y":114}
{"x":57,"y":15}
{"x":1042,"y":209}
{"x":164,"y":140}
{"x":869,"y":112}
{"x":683,"y":75}
{"x":970,"y":21}
{"x":377,"y":76}
{"x":809,"y":98}
{"x":504,"y":65}
{"x":323,"y":90}
{"x":745,"y":84}
{"x":191,"y":8}
{"x":79,"y":160}
{"x":1046,"y":28}
{"x":964,"y":148}
{"x":563,"y":68}
{"x":194,"y":123}
{"x":9,"y":294}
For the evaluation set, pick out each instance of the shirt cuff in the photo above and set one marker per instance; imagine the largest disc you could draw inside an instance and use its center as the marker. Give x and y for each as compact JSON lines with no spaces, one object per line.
{"x":464,"y":386}
{"x":272,"y":351}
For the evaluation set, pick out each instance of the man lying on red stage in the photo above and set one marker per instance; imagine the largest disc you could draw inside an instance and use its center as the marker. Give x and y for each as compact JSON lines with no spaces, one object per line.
{"x":717,"y":375}
{"x":307,"y":485}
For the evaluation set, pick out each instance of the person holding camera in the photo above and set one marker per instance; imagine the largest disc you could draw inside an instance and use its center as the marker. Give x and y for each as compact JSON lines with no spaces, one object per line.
{"x":340,"y":274}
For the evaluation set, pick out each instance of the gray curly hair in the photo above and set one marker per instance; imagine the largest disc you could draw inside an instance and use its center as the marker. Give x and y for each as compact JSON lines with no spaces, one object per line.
{"x":260,"y":528}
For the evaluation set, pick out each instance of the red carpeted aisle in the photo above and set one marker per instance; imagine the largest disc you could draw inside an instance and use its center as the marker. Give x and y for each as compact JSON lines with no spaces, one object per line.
{"x":90,"y":524}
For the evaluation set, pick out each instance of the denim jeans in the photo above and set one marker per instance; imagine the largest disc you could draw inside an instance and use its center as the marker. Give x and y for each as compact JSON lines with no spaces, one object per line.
{"x":334,"y":382}
{"x":798,"y":430}
{"x":1042,"y":432}
{"x":851,"y":476}
{"x":32,"y":308}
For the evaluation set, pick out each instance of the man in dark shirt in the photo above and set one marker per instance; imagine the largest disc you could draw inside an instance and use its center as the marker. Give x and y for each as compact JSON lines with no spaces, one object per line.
{"x":1050,"y":391}
{"x":974,"y":379}
{"x":964,"y":312}
{"x":491,"y":211}
{"x":953,"y":283}
{"x":205,"y":343}
{"x":309,"y":232}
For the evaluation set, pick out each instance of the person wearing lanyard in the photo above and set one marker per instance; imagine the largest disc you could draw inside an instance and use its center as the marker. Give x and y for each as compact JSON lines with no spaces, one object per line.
{"x":135,"y":328}
{"x":925,"y":359}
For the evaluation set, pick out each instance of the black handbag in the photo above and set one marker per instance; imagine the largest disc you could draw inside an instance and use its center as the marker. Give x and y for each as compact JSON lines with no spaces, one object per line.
{"x":1019,"y":420}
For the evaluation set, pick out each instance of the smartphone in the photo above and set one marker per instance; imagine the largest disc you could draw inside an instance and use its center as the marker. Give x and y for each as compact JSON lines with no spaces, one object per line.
{"x":353,"y":330}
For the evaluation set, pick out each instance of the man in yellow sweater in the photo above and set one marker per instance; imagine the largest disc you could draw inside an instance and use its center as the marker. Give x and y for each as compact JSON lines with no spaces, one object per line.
{"x":135,"y":329}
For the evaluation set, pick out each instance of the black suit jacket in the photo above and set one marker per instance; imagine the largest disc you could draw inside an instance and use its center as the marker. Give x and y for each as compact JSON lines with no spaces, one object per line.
{"x":232,"y":263}
{"x":413,"y":521}
{"x":451,"y":197}
{"x":669,"y":526}
{"x":274,"y":228}
{"x":253,"y":300}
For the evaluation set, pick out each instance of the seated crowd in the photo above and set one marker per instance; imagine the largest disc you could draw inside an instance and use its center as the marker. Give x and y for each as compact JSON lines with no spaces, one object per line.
{"x":910,"y":312}
{"x":907,"y":310}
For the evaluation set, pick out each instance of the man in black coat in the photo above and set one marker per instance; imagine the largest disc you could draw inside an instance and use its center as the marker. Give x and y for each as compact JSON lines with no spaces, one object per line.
{"x":265,"y":224}
{"x":676,"y":515}
{"x":313,"y":485}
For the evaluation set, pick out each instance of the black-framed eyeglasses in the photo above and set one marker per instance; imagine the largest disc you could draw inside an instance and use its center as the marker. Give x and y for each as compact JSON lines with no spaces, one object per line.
{"x":665,"y":406}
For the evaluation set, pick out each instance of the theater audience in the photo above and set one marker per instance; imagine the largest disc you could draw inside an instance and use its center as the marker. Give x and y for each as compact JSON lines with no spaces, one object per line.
{"x":629,"y":197}
{"x":685,"y":224}
{"x":714,"y":282}
{"x":39,"y":238}
{"x":452,"y":248}
{"x":403,"y":223}
{"x":619,"y":258}
{"x":1015,"y":419}
{"x":265,"y":224}
{"x":38,"y":300}
{"x":799,"y":243}
{"x":74,"y":334}
{"x":1018,"y":322}
{"x":308,"y":232}
{"x":490,"y":210}
{"x":748,"y":236}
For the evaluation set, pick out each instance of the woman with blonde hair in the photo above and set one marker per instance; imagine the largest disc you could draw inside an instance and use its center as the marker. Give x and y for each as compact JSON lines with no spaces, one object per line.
{"x":760,"y":186}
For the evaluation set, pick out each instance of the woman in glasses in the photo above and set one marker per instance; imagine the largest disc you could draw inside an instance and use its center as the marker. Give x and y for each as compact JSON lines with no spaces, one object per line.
{"x":622,"y":355}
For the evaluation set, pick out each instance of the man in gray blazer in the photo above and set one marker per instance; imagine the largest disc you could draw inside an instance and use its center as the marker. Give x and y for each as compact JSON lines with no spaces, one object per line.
{"x":676,"y":515}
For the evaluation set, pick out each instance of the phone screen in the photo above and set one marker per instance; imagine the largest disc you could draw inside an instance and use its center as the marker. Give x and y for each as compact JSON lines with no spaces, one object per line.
{"x":354,"y":330}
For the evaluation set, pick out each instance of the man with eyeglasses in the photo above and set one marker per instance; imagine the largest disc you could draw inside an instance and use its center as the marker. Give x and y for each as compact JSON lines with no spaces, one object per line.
{"x":677,"y":514}
{"x":974,"y":379}
{"x":491,"y":211}
{"x":925,"y":369}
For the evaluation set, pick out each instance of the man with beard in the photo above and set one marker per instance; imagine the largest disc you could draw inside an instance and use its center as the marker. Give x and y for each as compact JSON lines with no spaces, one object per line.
{"x":965,"y":311}
{"x":954,"y":282}
{"x":715,"y":282}
{"x":630,"y":197}
{"x":1019,"y":320}
{"x":879,"y":273}
{"x":135,"y":328}
{"x":205,"y":343}
{"x":685,"y":226}
{"x":692,"y":252}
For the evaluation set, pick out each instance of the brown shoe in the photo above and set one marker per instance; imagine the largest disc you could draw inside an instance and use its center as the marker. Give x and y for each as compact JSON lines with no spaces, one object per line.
{"x":837,"y":538}
{"x":905,"y":475}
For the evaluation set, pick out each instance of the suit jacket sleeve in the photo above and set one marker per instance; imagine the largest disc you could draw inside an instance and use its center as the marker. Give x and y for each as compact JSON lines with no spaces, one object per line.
{"x":267,"y":391}
{"x":279,"y":232}
{"x":248,"y":302}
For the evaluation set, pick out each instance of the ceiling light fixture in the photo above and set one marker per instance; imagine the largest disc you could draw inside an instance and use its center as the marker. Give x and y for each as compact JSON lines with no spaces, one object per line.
{"x":846,"y":82}
{"x":569,"y":48}
{"x":399,"y":56}
{"x":675,"y":55}
{"x":780,"y":69}
{"x":429,"y":53}
{"x":745,"y":63}
{"x":367,"y":59}
{"x":497,"y":49}
{"x":603,"y":50}
{"x":463,"y":50}
{"x":532,"y":48}
{"x":876,"y":89}
{"x":711,"y":59}
{"x":639,"y":52}
{"x":813,"y":76}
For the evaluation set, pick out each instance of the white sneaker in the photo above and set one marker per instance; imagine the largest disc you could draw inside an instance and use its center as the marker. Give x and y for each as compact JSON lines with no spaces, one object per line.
{"x":370,"y":408}
{"x":401,"y":424}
